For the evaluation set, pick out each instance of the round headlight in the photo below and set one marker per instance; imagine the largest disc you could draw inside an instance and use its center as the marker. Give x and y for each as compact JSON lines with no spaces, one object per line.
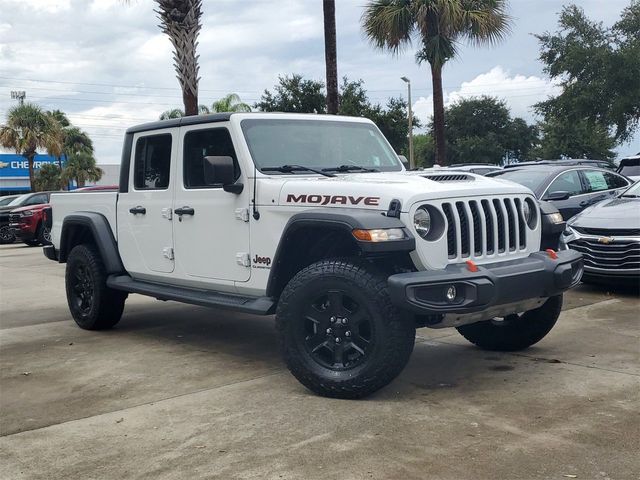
{"x":422,"y":222}
{"x":526,"y":209}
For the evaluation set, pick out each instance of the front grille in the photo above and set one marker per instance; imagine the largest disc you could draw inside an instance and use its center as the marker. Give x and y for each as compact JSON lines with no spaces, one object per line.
{"x":14,"y":218}
{"x":475,"y":228}
{"x":620,"y":254}
{"x":609,"y":232}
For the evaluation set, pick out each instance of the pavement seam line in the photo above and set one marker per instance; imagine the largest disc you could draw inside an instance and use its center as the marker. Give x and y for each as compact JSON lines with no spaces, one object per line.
{"x":153,"y":402}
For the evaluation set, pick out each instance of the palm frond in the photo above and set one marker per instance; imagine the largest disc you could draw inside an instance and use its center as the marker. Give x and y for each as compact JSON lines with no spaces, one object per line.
{"x":389,"y":24}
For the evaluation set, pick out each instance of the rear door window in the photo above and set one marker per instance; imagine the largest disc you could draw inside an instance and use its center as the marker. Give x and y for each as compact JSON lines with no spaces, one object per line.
{"x":599,"y":181}
{"x":152,"y":164}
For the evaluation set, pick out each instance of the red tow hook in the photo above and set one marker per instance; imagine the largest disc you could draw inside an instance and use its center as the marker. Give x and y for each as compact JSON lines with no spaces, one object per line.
{"x":552,"y":254}
{"x":472,"y":267}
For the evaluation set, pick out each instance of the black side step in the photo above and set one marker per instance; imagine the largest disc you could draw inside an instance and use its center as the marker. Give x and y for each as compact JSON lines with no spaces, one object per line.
{"x":204,"y":298}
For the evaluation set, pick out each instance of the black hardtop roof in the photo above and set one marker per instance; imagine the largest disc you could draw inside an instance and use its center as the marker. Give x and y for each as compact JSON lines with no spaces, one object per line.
{"x":177,"y":122}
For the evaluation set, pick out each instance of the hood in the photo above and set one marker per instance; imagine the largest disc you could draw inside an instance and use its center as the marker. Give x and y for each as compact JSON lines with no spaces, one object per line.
{"x":612,"y":213}
{"x":376,"y":190}
{"x":39,"y":206}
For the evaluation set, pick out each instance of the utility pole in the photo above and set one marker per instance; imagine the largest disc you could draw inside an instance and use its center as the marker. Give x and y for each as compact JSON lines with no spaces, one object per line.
{"x":412,"y":163}
{"x":18,"y":95}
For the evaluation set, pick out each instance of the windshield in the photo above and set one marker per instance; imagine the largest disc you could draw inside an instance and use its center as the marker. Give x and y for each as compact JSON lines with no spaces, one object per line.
{"x":318,"y":144}
{"x":630,"y":170}
{"x":529,"y":178}
{"x":632,"y":191}
{"x":18,"y":200}
{"x":6,"y":200}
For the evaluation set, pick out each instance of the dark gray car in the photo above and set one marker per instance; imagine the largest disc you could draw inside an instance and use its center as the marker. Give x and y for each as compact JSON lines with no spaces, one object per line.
{"x":608,"y":236}
{"x":571,"y":188}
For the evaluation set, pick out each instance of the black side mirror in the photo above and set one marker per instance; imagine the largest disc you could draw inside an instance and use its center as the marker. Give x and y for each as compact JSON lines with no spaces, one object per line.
{"x":220,"y":170}
{"x":557,"y":196}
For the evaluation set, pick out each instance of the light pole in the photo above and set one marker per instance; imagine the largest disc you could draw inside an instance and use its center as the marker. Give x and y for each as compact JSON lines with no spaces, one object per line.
{"x":411,"y":161}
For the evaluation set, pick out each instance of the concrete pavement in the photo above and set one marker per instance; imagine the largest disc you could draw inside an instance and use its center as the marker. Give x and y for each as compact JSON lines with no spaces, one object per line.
{"x":178,"y":392}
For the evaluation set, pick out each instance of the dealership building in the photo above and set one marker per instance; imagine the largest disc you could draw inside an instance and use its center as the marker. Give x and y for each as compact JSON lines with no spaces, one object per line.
{"x":14,"y":172}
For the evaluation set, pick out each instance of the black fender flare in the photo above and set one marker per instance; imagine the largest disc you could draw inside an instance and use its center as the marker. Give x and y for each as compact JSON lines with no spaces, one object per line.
{"x":345,"y":220}
{"x":100,"y":229}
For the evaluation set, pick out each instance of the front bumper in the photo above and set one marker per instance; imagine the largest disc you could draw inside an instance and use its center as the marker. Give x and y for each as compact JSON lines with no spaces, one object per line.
{"x":511,"y":283}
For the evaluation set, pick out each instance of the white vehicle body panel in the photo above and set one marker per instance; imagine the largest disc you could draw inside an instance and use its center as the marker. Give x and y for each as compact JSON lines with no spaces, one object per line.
{"x":207,"y":245}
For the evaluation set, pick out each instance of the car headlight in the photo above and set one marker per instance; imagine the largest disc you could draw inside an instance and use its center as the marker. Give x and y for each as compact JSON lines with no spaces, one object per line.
{"x":27,"y":213}
{"x":555,"y":217}
{"x":422,"y":222}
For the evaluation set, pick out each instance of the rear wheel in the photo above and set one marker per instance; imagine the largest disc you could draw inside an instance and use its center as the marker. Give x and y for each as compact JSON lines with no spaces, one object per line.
{"x":6,"y":235}
{"x":514,"y":332}
{"x":93,"y":305}
{"x":340,"y":334}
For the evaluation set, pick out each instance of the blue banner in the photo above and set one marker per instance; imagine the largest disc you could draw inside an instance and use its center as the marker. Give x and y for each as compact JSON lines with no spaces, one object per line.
{"x":12,"y":165}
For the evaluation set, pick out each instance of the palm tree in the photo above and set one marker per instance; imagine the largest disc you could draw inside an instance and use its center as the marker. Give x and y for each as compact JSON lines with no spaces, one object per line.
{"x":440,"y":26}
{"x":230,"y":103}
{"x":29,"y":129}
{"x":81,"y":167}
{"x":180,"y":20}
{"x":173,"y":113}
{"x":330,"y":55}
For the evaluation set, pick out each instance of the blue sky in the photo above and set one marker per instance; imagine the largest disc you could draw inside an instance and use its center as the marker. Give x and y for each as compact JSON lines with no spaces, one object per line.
{"x":109,"y":67}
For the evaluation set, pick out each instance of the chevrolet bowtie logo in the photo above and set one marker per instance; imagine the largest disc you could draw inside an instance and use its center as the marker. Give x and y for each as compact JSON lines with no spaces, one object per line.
{"x":3,"y":164}
{"x":605,"y":240}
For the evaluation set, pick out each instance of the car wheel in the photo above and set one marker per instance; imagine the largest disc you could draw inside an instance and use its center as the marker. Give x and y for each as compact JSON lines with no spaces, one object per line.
{"x":32,"y":243}
{"x":514,"y":332}
{"x":44,"y":234}
{"x":339,"y":332}
{"x":93,"y":305}
{"x":6,"y":235}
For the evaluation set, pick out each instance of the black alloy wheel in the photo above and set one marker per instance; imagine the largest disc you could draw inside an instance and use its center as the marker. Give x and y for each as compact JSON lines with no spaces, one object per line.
{"x":82,"y":289}
{"x":337,"y":330}
{"x":6,"y":235}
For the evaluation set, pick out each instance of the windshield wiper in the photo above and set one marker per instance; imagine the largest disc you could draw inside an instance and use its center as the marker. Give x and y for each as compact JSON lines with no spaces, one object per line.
{"x":348,"y":168}
{"x":295,"y":168}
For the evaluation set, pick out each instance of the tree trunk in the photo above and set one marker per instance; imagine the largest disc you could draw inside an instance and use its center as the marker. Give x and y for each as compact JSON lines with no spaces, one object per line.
{"x":438,"y":115}
{"x":330,"y":55}
{"x":30,"y":156}
{"x":190,"y":103}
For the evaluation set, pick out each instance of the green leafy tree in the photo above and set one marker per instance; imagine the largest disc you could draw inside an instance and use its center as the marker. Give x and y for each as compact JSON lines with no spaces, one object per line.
{"x":438,"y":26}
{"x":29,"y":129}
{"x":482,"y":130}
{"x":598,"y":69}
{"x":81,"y":167}
{"x":294,"y":94}
{"x":424,"y":150}
{"x":48,"y":177}
{"x":578,"y":139}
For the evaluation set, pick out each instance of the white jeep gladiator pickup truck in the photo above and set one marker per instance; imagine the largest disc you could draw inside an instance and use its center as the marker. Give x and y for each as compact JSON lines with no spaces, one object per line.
{"x":315,"y":219}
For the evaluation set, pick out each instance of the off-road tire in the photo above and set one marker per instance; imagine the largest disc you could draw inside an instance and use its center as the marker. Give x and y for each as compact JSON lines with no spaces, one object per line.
{"x":6,"y":235}
{"x":515,"y":332}
{"x":44,"y":235}
{"x":391,"y":335}
{"x":102,"y":308}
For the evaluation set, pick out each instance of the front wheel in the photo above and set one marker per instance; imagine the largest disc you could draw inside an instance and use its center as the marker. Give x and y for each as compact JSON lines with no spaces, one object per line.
{"x":340,"y":334}
{"x":514,"y":332}
{"x":44,"y":234}
{"x":6,"y":235}
{"x":93,"y":305}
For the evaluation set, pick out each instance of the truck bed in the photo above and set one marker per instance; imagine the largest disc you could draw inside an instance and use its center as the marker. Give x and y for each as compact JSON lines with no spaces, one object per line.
{"x":63,"y":204}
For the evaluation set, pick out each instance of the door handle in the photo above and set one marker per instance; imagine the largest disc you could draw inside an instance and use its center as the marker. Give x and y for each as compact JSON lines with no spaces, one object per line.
{"x":584,"y":203}
{"x":138,"y":210}
{"x":184,"y":211}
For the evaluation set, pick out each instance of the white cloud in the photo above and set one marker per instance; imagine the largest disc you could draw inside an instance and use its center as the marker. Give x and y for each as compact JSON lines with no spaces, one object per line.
{"x":520,"y":92}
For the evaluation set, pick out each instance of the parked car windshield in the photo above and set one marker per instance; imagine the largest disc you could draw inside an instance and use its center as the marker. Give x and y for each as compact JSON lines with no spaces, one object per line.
{"x":6,"y":200}
{"x":18,"y":200}
{"x":630,"y":169}
{"x":318,"y":144}
{"x":632,"y":191}
{"x":528,"y":177}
